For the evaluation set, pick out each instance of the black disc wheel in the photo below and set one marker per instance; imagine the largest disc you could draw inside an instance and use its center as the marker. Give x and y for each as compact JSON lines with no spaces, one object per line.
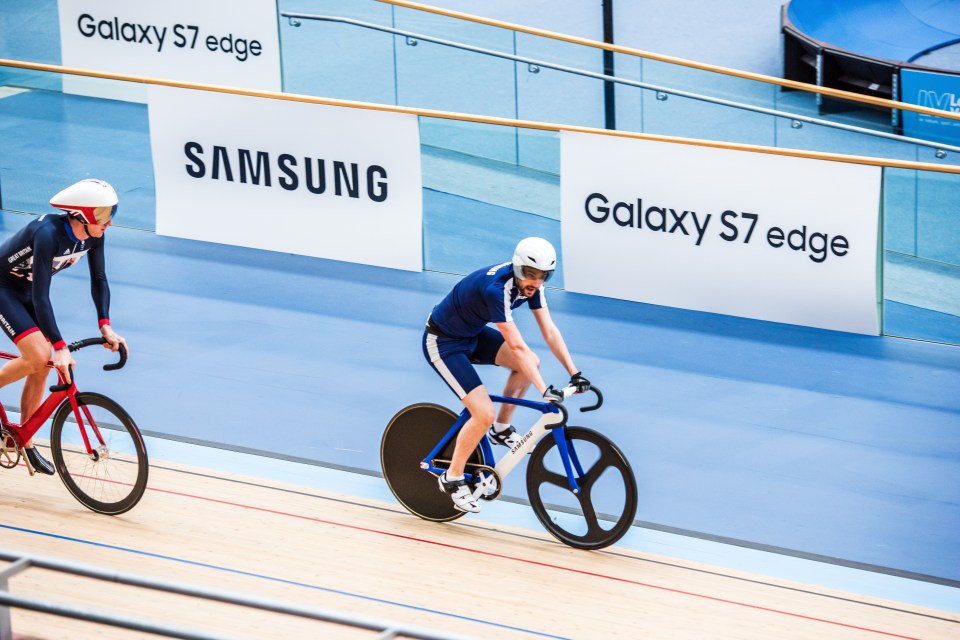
{"x":603,"y":511}
{"x":100,"y":458}
{"x":408,"y":439}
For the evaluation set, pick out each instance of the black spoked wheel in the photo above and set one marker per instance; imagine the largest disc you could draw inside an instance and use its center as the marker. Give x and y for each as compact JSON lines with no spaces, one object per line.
{"x":605,"y":507}
{"x":407,"y":440}
{"x":111,"y":476}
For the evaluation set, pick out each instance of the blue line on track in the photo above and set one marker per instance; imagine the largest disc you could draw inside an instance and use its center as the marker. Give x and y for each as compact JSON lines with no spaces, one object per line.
{"x":280,"y":580}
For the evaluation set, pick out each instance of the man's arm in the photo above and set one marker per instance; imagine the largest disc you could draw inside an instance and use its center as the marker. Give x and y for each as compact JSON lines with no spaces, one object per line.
{"x":554,"y":340}
{"x":526,"y":359}
{"x":99,"y":287}
{"x":100,"y":290}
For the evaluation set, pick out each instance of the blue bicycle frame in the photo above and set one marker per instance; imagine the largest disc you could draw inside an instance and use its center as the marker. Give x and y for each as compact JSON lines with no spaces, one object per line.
{"x":505,"y":465}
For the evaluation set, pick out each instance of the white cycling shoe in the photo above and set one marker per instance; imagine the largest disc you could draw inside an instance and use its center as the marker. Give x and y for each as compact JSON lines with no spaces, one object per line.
{"x":508,"y":437}
{"x":460,"y":493}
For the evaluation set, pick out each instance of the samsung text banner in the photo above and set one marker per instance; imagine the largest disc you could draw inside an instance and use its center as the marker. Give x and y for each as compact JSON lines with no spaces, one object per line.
{"x":309,"y":179}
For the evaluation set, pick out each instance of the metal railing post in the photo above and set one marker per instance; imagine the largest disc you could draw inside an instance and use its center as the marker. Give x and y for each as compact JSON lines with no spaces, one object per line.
{"x":6,"y":627}
{"x":21,"y":561}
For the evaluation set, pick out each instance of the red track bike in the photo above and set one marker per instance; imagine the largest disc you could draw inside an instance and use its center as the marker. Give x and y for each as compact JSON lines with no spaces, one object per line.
{"x":97,"y":449}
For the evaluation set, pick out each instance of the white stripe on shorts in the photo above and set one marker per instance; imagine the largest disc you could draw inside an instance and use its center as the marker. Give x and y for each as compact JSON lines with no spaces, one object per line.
{"x":441,"y":366}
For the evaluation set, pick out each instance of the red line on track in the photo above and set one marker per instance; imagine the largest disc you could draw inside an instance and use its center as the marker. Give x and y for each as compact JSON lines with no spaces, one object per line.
{"x":536,"y":563}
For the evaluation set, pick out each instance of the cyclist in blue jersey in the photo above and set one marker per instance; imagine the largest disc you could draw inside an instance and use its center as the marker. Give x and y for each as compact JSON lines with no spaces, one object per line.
{"x":30,"y":258}
{"x":457,"y":337}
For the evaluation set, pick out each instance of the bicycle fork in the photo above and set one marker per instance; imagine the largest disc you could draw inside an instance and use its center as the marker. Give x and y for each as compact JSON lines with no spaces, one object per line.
{"x":568,"y":455}
{"x":83,"y":421}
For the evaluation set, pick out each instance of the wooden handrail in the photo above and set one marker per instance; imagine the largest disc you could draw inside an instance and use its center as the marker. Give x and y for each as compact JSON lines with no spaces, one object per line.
{"x":491,"y":120}
{"x":616,"y":48}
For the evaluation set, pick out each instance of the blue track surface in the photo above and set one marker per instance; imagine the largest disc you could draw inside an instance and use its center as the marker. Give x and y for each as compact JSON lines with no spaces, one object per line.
{"x":75,"y":136}
{"x":812,"y":441}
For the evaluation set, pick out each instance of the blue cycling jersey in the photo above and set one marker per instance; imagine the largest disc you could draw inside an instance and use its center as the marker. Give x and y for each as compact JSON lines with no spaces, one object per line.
{"x":486,"y":295}
{"x":31,"y":257}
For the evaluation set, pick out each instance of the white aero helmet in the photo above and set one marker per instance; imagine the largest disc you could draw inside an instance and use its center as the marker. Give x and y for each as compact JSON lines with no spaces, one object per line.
{"x":536,"y":253}
{"x":89,"y":201}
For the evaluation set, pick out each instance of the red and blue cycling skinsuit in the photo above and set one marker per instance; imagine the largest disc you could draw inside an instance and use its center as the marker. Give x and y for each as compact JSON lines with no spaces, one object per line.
{"x":29,"y":259}
{"x":457,"y":335}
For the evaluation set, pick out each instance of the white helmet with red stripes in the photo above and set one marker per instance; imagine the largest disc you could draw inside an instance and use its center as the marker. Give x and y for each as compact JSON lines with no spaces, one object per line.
{"x":89,"y":201}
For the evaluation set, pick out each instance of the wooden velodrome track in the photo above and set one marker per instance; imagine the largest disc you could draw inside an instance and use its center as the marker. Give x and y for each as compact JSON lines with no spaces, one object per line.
{"x":334,"y":551}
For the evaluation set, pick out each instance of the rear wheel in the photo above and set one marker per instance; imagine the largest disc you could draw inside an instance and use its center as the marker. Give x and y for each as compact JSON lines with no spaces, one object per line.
{"x":603,"y":511}
{"x":111,"y":476}
{"x":407,"y":440}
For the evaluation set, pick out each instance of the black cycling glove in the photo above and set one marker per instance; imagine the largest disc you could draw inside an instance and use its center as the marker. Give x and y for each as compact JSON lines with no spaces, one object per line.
{"x":577,"y":380}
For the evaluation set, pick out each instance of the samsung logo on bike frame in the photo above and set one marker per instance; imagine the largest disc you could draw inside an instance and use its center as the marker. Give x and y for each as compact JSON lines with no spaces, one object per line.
{"x":523,"y":441}
{"x":289,"y":172}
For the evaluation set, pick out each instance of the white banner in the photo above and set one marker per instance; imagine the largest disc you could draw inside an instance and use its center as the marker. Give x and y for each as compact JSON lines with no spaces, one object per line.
{"x":221,"y":42}
{"x":314,"y":180}
{"x":746,"y":234}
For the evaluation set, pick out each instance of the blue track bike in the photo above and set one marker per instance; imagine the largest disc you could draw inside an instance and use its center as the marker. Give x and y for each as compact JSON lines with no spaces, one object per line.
{"x":579,"y":483}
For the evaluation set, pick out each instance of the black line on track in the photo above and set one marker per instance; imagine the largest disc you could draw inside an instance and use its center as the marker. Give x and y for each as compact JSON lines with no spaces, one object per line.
{"x":688,"y":533}
{"x":619,"y":554}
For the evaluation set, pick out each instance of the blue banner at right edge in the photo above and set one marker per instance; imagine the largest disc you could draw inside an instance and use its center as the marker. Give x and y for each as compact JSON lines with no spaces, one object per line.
{"x":934,"y":90}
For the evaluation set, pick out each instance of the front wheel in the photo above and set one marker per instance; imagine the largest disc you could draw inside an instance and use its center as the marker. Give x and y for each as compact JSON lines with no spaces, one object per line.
{"x":603,"y":510}
{"x":101,"y":459}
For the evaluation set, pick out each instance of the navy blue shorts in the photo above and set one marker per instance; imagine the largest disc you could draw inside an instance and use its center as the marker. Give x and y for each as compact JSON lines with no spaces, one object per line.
{"x":17,"y":315}
{"x":453,"y":358}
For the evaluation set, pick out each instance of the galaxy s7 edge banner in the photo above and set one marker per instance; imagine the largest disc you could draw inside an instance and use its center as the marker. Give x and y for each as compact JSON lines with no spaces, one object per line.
{"x":763,"y":236}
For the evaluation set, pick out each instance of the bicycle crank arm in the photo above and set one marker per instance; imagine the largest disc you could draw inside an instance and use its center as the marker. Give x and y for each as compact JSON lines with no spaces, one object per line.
{"x":486,"y":484}
{"x":26,"y":461}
